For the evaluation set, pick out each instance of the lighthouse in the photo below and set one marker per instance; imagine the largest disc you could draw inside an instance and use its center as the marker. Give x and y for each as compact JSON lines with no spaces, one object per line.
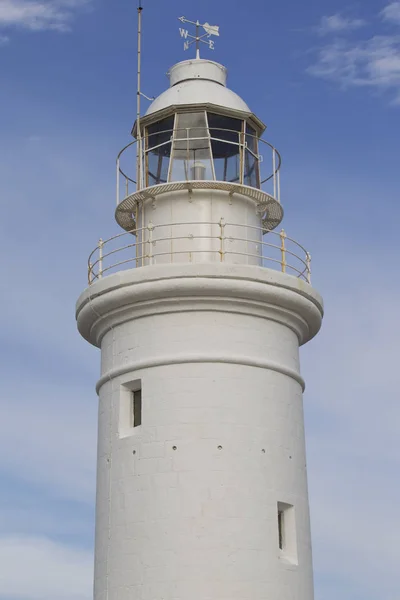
{"x":199,"y":305}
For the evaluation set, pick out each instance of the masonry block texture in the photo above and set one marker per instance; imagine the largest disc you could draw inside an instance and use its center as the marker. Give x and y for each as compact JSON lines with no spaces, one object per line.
{"x":187,"y":502}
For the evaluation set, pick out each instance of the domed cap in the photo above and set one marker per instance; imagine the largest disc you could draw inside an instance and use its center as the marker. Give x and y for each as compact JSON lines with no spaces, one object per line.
{"x":198,"y":81}
{"x":197,"y":69}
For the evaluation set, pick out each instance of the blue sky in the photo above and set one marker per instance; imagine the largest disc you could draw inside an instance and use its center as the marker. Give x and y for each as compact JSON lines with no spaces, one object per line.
{"x":325,"y":77}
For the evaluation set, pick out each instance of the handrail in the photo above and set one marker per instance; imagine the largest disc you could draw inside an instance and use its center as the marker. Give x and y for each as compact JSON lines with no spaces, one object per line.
{"x":223,"y":240}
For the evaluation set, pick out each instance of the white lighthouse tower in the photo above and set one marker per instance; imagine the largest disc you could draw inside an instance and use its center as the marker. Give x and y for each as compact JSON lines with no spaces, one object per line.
{"x":199,"y":308}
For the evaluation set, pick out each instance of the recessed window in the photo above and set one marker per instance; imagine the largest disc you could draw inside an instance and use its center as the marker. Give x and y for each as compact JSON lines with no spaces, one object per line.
{"x":137,"y":407}
{"x":130,"y":408}
{"x":287,"y":539}
{"x":280,"y":528}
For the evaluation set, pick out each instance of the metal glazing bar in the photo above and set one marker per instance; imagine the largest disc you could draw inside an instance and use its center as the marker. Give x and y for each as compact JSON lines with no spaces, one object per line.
{"x":171,"y":158}
{"x":210,"y":148}
{"x":241,"y":153}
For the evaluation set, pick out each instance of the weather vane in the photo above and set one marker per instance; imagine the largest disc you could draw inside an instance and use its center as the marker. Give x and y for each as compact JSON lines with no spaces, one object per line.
{"x":196,"y":39}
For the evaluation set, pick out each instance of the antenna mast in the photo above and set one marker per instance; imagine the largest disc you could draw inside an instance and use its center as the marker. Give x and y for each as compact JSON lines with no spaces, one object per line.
{"x":138,"y":95}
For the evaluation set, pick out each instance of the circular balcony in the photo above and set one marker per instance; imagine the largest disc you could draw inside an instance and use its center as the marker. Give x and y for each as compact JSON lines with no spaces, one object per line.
{"x":210,"y":242}
{"x":200,"y":157}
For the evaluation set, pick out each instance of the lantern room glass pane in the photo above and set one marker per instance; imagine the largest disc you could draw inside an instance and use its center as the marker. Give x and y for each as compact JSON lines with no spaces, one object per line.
{"x":191,"y":151}
{"x":251,"y":162}
{"x":225,"y":138}
{"x":158,"y":150}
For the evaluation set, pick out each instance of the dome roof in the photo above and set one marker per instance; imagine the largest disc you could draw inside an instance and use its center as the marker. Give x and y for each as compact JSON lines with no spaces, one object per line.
{"x":198,"y":82}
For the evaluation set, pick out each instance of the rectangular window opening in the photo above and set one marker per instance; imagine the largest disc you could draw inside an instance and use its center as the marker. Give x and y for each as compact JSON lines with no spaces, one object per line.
{"x":287,"y":537}
{"x":280,"y":529}
{"x":130,"y":408}
{"x":137,"y":407}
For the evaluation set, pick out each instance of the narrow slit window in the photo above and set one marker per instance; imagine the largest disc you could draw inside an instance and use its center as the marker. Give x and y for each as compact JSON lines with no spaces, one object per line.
{"x":280,"y":529}
{"x":137,"y":407}
{"x":287,"y":535}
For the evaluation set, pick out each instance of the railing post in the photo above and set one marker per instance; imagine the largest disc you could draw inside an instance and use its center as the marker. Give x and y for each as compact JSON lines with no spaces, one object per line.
{"x":273,"y":171}
{"x":308,"y":262}
{"x":282,"y":235}
{"x":126,"y":187}
{"x":150,"y":228}
{"x":222,"y":239}
{"x":117,"y":192}
{"x":278,"y":185}
{"x":101,"y":244}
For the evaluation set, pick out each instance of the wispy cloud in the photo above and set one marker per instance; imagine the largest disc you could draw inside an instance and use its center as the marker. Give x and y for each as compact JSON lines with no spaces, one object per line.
{"x":391,"y":12}
{"x":39,"y":569}
{"x":372,"y":62}
{"x":4,"y":39}
{"x":39,"y":15}
{"x":338,"y":24}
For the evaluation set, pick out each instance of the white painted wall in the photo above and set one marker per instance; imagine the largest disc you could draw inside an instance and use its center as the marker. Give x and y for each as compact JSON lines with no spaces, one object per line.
{"x":186,"y":228}
{"x":187,"y":503}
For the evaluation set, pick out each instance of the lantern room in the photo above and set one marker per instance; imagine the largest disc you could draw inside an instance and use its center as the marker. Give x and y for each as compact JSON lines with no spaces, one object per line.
{"x":200,"y":130}
{"x":198,"y":161}
{"x":201,"y":145}
{"x":195,"y":133}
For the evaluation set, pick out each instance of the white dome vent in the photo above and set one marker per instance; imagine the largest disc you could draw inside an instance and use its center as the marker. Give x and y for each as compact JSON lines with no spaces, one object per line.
{"x":198,"y":81}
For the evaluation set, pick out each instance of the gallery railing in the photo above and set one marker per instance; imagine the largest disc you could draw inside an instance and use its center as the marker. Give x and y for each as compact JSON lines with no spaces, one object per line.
{"x":203,"y":242}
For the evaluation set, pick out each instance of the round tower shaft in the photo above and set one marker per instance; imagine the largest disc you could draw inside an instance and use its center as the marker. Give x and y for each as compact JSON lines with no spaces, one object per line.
{"x":199,"y":308}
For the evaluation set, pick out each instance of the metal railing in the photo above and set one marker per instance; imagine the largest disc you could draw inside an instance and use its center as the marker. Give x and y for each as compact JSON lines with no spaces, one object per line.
{"x":133,"y":160}
{"x":207,"y":242}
